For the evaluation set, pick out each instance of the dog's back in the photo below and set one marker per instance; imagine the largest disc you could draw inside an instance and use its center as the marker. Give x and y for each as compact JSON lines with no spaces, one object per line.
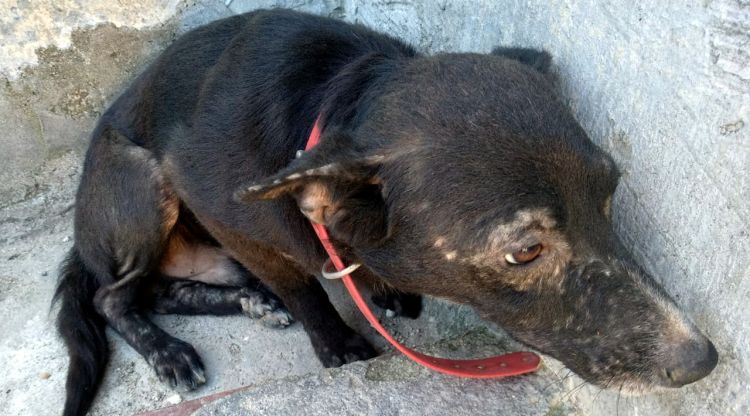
{"x":264,"y":64}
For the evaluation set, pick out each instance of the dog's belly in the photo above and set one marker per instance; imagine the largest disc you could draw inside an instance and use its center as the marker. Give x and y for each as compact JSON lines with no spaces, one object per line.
{"x":190,"y":260}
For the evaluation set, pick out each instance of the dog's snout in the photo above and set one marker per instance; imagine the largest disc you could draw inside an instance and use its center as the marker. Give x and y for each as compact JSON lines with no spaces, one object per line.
{"x":690,"y":361}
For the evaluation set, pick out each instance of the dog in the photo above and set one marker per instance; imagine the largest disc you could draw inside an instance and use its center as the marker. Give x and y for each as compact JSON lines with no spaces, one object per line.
{"x":458,"y":176}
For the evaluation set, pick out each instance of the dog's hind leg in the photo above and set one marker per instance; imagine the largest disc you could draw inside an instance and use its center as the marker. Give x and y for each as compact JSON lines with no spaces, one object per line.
{"x":125,"y":212}
{"x":199,"y":278}
{"x":188,"y":297}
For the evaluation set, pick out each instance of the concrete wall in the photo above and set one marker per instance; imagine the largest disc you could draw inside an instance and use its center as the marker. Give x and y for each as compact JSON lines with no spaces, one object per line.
{"x":662,"y":85}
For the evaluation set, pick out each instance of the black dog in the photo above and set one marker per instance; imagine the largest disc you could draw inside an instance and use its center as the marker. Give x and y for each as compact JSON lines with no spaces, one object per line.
{"x":460,"y":176}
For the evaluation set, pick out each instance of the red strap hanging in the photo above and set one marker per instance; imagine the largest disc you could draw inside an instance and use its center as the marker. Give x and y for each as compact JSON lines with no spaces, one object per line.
{"x":499,"y":366}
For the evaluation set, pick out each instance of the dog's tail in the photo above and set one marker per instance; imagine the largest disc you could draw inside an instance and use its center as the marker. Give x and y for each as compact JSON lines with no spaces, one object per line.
{"x":82,"y":330}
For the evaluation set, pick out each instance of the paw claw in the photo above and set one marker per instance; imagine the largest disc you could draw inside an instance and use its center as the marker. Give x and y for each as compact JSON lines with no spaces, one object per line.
{"x":254,"y":306}
{"x":267,"y":310}
{"x":279,"y":318}
{"x":178,"y":365}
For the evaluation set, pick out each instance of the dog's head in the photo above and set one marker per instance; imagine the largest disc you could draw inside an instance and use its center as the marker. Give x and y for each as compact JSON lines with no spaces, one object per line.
{"x":468,"y":179}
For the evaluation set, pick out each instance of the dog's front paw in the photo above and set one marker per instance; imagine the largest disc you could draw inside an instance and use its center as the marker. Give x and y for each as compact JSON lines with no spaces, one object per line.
{"x":179,"y":365}
{"x":269,"y":311}
{"x":350,"y":349}
{"x":399,"y":303}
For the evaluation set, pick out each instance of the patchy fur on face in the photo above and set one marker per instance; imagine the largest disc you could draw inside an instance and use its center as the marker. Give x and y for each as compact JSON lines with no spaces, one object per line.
{"x":528,"y":228}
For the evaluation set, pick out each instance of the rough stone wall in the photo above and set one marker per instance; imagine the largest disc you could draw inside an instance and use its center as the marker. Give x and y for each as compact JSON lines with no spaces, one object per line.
{"x":662,"y":85}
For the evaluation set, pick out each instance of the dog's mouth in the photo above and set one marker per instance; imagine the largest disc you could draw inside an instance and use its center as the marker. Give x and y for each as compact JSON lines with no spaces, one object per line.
{"x":636,"y":371}
{"x":627,"y":341}
{"x":655,"y":381}
{"x":640,"y":378}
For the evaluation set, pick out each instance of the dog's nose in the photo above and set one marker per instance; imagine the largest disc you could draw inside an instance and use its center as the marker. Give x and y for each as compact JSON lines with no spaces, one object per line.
{"x":691,"y":361}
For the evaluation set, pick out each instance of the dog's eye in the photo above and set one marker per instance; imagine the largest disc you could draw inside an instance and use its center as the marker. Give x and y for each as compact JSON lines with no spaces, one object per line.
{"x":524,"y":256}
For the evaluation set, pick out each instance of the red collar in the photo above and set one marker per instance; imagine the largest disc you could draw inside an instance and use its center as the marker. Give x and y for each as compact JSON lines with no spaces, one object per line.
{"x":500,"y":366}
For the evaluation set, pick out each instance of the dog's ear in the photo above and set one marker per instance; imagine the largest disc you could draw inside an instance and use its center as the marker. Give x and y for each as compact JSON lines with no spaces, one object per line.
{"x":539,"y":60}
{"x":335,"y":184}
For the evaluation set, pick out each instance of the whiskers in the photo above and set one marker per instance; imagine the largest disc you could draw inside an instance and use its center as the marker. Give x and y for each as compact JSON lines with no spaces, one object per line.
{"x":594,"y":400}
{"x":566,"y":388}
{"x":601,"y":389}
{"x":560,"y":383}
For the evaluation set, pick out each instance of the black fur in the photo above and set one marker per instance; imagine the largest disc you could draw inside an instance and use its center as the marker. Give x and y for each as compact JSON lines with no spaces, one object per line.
{"x":433,"y":172}
{"x":82,"y":330}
